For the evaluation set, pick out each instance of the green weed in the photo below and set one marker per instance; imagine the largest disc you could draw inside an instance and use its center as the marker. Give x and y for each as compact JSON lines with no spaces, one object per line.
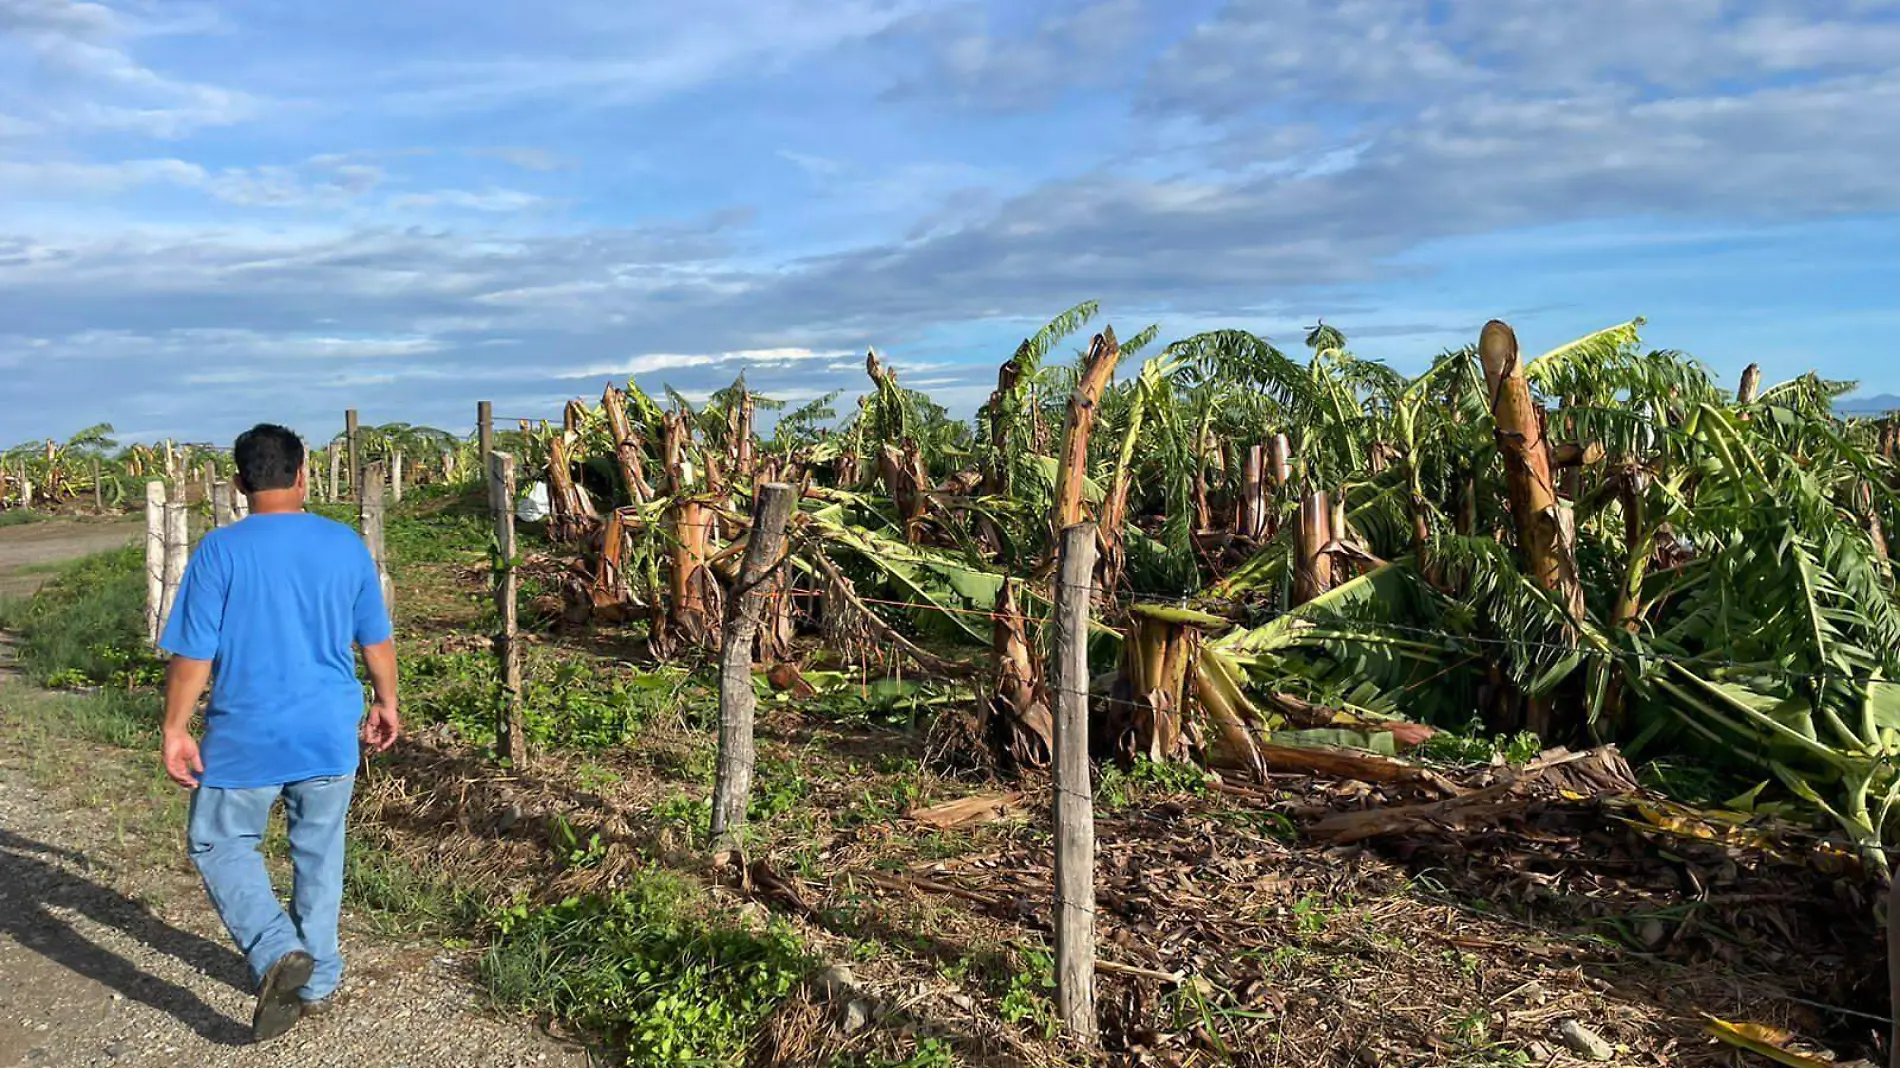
{"x":401,"y":898}
{"x":929,"y":1053}
{"x":1028,"y":1000}
{"x":1120,"y":787}
{"x":1473,"y":746}
{"x":645,"y":969}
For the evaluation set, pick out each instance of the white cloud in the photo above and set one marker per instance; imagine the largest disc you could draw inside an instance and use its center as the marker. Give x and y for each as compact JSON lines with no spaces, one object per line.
{"x":668,"y":361}
{"x":86,"y":77}
{"x":592,"y":55}
{"x":489,"y":199}
{"x":528,"y":159}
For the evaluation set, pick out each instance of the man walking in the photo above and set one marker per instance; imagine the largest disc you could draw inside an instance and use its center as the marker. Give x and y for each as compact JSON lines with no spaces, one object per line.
{"x":269,"y":609}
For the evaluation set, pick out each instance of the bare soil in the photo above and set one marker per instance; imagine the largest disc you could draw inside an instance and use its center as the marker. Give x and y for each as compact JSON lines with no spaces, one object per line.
{"x":26,"y":552}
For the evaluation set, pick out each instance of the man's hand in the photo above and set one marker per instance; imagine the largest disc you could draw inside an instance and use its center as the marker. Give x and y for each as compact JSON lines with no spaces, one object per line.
{"x":182,"y":763}
{"x":383,"y":726}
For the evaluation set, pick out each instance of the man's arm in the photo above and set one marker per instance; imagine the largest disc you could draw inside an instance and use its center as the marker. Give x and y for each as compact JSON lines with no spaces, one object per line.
{"x":384,"y":726}
{"x":185,"y":681}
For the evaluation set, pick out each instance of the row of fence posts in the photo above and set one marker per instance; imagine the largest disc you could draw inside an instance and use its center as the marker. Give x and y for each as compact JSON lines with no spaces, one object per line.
{"x":168,"y":530}
{"x":765,"y":554}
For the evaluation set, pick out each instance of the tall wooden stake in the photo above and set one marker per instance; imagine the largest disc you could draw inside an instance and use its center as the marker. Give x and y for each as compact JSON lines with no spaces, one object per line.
{"x":369,"y":509}
{"x":154,"y":557}
{"x":395,"y":476}
{"x":764,"y":555}
{"x":336,"y":462}
{"x":177,"y":552}
{"x":1074,"y":797}
{"x":511,"y":742}
{"x":356,"y":456}
{"x":98,"y":489}
{"x":485,"y":443}
{"x":222,"y":513}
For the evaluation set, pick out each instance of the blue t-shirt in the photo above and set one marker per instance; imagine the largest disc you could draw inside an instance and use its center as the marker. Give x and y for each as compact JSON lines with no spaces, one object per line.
{"x":275,"y":602}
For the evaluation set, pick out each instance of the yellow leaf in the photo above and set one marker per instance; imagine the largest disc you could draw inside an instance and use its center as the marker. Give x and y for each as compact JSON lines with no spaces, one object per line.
{"x":1769,"y":1042}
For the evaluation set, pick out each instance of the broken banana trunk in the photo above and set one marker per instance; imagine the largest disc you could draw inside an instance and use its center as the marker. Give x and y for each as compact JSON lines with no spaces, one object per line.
{"x":1020,"y":728}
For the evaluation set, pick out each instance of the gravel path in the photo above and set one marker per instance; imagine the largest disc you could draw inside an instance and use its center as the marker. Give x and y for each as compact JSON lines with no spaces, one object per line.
{"x":91,"y":976}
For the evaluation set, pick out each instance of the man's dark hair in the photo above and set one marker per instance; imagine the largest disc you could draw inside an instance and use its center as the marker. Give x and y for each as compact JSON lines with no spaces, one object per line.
{"x":268,"y":457}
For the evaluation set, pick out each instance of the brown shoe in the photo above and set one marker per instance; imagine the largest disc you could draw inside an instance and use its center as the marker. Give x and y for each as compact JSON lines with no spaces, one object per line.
{"x":278,"y":1006}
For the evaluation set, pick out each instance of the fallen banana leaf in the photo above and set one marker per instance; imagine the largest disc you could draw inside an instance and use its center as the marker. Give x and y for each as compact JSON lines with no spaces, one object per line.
{"x":977,"y":808}
{"x":1769,"y":1042}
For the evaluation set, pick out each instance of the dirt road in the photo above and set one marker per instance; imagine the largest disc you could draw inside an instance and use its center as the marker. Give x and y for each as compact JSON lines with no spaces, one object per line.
{"x":27,"y":551}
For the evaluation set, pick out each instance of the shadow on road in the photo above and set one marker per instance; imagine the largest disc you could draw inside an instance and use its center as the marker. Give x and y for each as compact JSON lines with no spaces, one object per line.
{"x":37,"y":885}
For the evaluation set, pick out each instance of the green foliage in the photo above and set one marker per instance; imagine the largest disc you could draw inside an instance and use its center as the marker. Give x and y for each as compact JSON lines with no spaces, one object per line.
{"x":86,"y":627}
{"x":456,"y":534}
{"x":646,"y":969}
{"x":19,"y":517}
{"x":565,"y":703}
{"x":691,"y":817}
{"x":928,"y":1053}
{"x":1120,"y":787}
{"x":402,"y":898}
{"x":1473,"y":746}
{"x":1028,"y":1000}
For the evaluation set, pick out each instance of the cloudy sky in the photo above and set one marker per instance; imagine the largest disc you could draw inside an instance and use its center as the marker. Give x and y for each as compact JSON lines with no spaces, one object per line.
{"x":213,"y":214}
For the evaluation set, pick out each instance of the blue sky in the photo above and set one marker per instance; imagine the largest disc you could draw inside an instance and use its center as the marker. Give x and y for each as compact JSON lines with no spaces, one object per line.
{"x":212,"y":214}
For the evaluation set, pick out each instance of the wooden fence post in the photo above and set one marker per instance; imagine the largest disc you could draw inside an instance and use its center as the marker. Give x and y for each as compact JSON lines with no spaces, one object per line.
{"x":764,"y":555}
{"x":177,"y":552}
{"x":336,"y":461}
{"x":222,"y":513}
{"x":154,"y":557}
{"x":98,"y":489}
{"x":485,"y":442}
{"x":356,"y":456}
{"x":1074,"y":797}
{"x":511,"y":741}
{"x":369,"y":511}
{"x":395,"y":476}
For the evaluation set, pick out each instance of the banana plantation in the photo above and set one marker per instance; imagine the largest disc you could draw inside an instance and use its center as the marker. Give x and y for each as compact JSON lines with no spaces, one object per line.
{"x":1597,"y":544}
{"x":1560,"y":683}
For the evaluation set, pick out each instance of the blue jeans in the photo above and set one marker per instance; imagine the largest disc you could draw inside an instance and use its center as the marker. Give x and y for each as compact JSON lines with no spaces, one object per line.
{"x":225,"y":829}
